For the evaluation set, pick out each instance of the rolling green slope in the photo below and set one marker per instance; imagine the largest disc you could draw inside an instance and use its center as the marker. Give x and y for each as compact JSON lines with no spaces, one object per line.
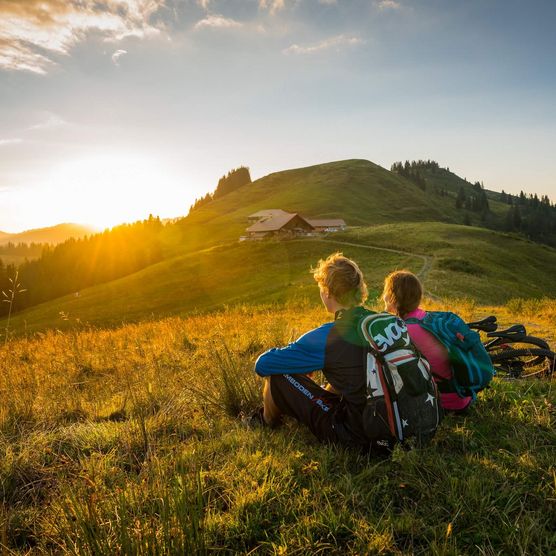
{"x":360,"y":192}
{"x":206,"y":280}
{"x":488,"y":266}
{"x":453,"y":260}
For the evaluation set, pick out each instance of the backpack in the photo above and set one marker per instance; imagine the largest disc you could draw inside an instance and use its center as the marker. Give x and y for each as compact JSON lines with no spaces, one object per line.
{"x":402,"y":398}
{"x":472,"y":368}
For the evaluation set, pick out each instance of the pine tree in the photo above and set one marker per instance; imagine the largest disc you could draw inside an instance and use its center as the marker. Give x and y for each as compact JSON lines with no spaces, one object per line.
{"x":461,"y":199}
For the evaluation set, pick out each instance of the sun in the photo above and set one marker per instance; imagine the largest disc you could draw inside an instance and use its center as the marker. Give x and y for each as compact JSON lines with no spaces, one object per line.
{"x":103,"y":190}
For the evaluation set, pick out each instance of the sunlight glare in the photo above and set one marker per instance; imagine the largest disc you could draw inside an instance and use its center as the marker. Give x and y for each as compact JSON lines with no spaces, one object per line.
{"x":108,"y":189}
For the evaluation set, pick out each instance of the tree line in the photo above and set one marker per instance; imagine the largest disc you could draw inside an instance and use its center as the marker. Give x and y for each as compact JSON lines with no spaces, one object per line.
{"x":27,"y":250}
{"x":533,"y":216}
{"x":528,"y":214}
{"x":233,"y":180}
{"x":412,"y":171}
{"x":80,"y":263}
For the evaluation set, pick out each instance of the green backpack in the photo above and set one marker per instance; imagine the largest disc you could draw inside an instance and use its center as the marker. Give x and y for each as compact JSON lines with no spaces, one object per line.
{"x":402,"y":398}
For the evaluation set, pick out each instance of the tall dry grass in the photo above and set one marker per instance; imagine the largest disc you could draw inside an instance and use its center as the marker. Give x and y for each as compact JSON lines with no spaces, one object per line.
{"x":126,"y":441}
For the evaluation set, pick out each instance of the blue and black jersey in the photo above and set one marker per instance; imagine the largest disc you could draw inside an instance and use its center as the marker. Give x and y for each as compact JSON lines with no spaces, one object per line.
{"x":337,"y":350}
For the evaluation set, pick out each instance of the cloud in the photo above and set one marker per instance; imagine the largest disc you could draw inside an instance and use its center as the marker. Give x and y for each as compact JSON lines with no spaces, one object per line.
{"x":217,"y":21}
{"x":33,"y":32}
{"x":273,"y":6}
{"x":14,"y":141}
{"x":388,"y":5}
{"x":117,"y":55}
{"x":50,"y":121}
{"x":336,"y":42}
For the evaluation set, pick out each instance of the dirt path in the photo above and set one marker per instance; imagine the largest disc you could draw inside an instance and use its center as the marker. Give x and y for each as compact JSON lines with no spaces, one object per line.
{"x":423,"y":272}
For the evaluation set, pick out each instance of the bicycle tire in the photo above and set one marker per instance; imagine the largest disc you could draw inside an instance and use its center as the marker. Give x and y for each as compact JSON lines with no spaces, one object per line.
{"x":543,"y":362}
{"x":533,"y":340}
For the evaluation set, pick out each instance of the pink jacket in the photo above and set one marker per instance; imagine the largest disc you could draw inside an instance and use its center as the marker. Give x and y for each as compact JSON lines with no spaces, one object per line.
{"x":437,"y":356}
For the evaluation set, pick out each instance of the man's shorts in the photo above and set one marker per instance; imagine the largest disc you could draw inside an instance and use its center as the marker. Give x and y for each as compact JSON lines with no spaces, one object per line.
{"x":300,"y":397}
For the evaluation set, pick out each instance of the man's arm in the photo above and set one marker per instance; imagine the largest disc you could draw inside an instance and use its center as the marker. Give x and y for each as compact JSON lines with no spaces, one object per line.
{"x":305,"y":355}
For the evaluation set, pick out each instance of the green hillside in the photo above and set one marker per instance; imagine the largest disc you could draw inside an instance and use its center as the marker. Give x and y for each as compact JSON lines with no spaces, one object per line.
{"x":205,"y":267}
{"x":488,"y":266}
{"x":360,"y":192}
{"x":453,"y":260}
{"x":207,"y":280}
{"x":443,"y":178}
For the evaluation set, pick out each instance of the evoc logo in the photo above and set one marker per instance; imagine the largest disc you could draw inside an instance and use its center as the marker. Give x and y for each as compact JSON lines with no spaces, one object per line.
{"x":390,"y":335}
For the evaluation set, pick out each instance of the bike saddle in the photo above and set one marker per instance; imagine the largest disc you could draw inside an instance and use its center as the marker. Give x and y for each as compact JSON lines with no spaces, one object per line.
{"x":488,"y":324}
{"x":512,"y":332}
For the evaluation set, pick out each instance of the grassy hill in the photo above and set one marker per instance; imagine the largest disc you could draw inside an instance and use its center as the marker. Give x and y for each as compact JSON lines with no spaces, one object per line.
{"x":204,"y":267}
{"x":443,"y":178}
{"x":488,"y":266}
{"x":360,"y":192}
{"x":206,"y":280}
{"x":128,"y":441}
{"x":461,"y":261}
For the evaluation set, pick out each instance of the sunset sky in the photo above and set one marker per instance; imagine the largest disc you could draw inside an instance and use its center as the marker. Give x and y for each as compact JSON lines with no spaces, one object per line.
{"x":114,"y":109}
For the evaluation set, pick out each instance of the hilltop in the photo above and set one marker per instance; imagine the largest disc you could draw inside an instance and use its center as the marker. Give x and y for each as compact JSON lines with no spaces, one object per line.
{"x":359,"y":191}
{"x":52,"y":234}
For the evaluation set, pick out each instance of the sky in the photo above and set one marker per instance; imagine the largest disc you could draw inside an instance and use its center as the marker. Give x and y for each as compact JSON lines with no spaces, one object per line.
{"x":114,"y":109}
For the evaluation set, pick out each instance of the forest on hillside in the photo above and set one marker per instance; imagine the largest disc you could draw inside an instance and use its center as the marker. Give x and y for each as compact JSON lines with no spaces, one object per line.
{"x":526,"y":214}
{"x":79,"y":263}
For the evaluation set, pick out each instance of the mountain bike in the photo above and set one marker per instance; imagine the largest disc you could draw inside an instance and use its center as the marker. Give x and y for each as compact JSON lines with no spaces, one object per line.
{"x":513,"y":352}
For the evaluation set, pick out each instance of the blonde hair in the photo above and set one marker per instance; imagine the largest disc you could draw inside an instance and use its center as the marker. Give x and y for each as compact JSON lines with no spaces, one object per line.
{"x":341,"y":278}
{"x":403,"y":290}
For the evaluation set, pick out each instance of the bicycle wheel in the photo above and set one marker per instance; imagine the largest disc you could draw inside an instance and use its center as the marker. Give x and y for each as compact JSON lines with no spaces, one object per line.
{"x":524,"y":362}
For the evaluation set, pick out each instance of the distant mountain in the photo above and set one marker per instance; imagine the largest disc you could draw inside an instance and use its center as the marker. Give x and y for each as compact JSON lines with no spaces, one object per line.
{"x":52,"y":234}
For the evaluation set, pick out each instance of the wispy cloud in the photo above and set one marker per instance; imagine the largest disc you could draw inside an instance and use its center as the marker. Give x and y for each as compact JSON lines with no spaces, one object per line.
{"x":217,"y":21}
{"x":34,"y":31}
{"x":388,"y":5}
{"x":117,"y":55}
{"x":336,"y":43}
{"x":273,"y":6}
{"x":15,"y":141}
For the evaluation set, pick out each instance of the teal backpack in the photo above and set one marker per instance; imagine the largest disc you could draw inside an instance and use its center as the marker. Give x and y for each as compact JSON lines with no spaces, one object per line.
{"x":402,"y":397}
{"x":472,"y":368}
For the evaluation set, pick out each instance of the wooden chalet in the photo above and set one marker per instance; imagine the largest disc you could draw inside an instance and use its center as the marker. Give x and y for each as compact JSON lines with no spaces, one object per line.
{"x":328,"y":225}
{"x":281,"y":225}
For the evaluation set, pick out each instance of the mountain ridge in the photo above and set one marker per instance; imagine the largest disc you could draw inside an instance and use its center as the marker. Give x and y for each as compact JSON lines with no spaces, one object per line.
{"x":49,"y":234}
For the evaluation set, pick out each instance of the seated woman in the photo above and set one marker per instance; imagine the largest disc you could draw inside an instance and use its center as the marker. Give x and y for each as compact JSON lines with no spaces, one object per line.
{"x":402,"y":296}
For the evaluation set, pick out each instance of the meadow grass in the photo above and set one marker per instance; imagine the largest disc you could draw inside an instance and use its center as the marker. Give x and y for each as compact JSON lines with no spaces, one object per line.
{"x":463,"y":262}
{"x":128,"y":441}
{"x":231,"y":274}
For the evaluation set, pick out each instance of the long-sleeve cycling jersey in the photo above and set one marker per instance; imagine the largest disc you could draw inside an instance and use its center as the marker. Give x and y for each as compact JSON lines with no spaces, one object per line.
{"x":305,"y":355}
{"x":335,"y":348}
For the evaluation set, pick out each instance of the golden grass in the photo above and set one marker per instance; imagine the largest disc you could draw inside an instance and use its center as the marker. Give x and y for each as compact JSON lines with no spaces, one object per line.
{"x":127,"y":440}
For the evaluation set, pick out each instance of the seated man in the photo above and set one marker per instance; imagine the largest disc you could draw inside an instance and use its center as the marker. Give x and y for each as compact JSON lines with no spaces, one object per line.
{"x":333,"y":414}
